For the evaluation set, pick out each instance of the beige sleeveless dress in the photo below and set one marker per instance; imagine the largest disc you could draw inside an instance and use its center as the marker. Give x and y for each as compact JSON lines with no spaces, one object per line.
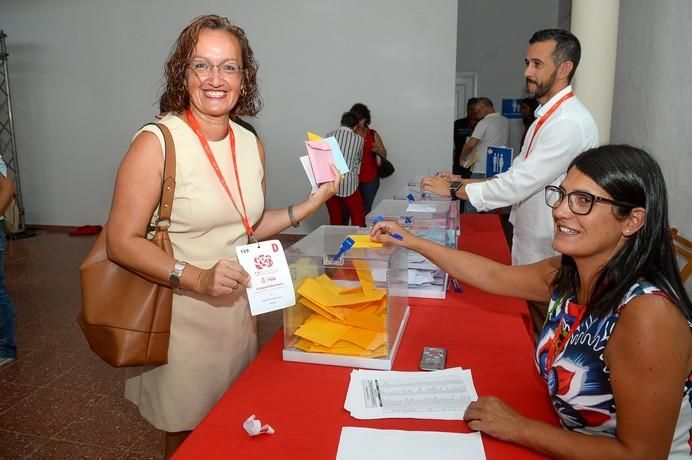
{"x":212,"y":339}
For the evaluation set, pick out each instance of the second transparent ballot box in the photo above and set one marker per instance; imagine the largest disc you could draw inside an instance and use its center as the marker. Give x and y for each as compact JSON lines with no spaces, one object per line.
{"x":453,"y":217}
{"x":436,"y":221}
{"x":351,"y":310}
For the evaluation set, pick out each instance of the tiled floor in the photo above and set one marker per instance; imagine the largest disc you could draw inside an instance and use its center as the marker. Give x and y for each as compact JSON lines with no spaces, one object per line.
{"x":58,"y":400}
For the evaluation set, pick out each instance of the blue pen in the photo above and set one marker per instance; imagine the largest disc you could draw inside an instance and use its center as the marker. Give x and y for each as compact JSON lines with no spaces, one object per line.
{"x":345,"y":246}
{"x":396,"y":236}
{"x":382,"y":230}
{"x":457,"y":286}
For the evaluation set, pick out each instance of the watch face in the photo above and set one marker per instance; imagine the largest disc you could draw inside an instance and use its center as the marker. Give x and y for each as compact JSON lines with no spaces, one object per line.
{"x":455,"y":186}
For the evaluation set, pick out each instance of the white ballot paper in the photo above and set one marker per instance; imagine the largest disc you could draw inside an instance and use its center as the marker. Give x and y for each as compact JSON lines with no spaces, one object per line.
{"x":421,"y":207}
{"x":271,"y":285}
{"x":305,"y":161}
{"x":371,"y":444}
{"x":440,"y":395}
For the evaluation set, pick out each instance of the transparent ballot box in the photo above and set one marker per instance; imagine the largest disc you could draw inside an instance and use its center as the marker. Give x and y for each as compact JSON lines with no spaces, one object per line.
{"x":453,"y":216}
{"x":414,"y":191}
{"x":436,"y":221}
{"x":416,"y":180}
{"x":351,"y":311}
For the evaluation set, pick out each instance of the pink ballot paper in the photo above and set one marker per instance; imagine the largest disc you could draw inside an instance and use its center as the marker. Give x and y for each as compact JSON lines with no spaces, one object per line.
{"x":322,"y":153}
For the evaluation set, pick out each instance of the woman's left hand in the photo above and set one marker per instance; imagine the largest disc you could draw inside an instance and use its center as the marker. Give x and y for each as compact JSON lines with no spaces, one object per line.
{"x":326,"y":190}
{"x":492,"y":416}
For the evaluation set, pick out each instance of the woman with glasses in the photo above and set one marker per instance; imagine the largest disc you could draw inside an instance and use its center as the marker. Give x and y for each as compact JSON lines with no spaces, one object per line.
{"x":616,"y":348}
{"x":211,"y":75}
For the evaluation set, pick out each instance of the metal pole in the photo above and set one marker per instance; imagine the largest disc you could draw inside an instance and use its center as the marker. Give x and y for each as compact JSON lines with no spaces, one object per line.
{"x":12,"y":160}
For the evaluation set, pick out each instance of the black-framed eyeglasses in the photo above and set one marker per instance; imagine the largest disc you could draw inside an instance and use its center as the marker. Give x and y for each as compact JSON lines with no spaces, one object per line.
{"x":228,"y":69}
{"x":580,"y":203}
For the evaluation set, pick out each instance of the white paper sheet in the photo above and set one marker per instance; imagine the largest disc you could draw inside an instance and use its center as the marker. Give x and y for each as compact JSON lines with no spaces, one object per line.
{"x":371,"y":444}
{"x":421,"y":207}
{"x":305,"y":161}
{"x":271,"y":284}
{"x":439,"y":395}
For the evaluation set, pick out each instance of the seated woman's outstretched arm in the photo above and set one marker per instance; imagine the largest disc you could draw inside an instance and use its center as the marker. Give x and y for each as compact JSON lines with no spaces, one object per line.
{"x":530,"y":282}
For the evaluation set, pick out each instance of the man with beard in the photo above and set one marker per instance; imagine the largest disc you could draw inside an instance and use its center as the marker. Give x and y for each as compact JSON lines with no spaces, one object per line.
{"x":563,"y":129}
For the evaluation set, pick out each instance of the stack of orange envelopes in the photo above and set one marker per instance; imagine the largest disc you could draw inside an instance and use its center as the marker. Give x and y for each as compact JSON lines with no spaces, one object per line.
{"x":345,"y":321}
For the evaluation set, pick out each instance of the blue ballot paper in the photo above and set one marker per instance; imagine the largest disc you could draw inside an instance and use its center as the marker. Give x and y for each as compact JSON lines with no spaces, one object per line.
{"x":338,"y":155}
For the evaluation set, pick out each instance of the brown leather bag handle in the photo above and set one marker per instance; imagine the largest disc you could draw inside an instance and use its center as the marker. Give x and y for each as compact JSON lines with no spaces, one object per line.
{"x":168,"y":183}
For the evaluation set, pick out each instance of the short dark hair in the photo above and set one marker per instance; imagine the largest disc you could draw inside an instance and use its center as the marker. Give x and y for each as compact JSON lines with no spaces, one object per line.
{"x":485,"y":101}
{"x":362,"y":112}
{"x":630,"y":175}
{"x":471,"y":102}
{"x":349,"y":119}
{"x":567,"y":46}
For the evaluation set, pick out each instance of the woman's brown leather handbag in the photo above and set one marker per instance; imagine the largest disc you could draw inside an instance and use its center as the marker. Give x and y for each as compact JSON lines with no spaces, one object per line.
{"x":126,"y":318}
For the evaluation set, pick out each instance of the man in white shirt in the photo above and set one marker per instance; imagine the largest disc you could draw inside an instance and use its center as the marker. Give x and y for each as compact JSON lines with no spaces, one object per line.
{"x":491,"y":131}
{"x":563,"y":129}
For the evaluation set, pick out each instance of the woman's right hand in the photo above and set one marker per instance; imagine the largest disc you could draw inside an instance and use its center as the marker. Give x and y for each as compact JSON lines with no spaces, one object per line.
{"x":389,"y":231}
{"x":224,"y":278}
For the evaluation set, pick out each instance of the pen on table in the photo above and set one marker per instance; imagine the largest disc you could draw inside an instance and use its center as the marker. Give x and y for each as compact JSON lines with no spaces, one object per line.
{"x":457,"y":285}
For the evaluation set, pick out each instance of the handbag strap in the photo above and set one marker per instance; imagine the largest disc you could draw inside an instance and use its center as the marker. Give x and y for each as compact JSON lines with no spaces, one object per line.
{"x":168,"y":183}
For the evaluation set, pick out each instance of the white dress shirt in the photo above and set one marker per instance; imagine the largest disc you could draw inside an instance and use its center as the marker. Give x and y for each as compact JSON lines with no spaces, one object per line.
{"x":569,"y":131}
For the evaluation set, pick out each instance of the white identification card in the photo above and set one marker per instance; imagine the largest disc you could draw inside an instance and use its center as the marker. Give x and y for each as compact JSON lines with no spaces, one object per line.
{"x":272,"y":287}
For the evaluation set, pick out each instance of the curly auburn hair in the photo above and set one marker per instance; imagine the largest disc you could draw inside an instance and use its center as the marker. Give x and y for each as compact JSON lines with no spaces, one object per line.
{"x":175,"y":97}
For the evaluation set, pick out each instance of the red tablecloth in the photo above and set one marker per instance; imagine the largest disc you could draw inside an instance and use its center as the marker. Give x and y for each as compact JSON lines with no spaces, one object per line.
{"x":482,"y":234}
{"x":304,"y":402}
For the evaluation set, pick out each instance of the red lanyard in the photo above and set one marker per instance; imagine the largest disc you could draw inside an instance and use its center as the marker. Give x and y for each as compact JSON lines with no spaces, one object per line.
{"x":544,"y":118}
{"x":210,"y":156}
{"x":557,"y":345}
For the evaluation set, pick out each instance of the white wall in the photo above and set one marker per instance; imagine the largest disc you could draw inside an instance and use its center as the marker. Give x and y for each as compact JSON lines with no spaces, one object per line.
{"x":85,"y":74}
{"x":652,"y":106}
{"x":493,"y":37}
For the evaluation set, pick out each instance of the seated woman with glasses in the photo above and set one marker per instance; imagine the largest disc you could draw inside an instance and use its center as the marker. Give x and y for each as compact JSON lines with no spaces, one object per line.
{"x":616,"y":349}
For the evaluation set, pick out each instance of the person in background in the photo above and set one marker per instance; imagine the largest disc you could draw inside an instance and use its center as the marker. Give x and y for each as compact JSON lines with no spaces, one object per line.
{"x":8,"y":347}
{"x":369,"y":181}
{"x":527,"y":108}
{"x":463,"y":127}
{"x":220,"y":191}
{"x":616,"y":350}
{"x":348,"y":196}
{"x":492,"y":130}
{"x":564,"y":128}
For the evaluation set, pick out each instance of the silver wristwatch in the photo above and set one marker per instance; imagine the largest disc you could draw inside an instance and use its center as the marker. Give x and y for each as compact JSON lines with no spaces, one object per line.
{"x":177,"y":273}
